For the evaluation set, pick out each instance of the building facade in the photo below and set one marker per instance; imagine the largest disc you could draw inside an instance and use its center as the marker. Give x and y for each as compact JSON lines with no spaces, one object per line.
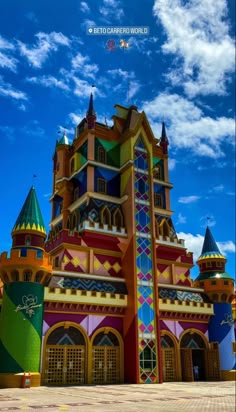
{"x":107,"y":296}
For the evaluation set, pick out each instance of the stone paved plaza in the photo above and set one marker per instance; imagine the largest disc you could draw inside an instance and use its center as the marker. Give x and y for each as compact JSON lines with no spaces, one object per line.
{"x":168,"y":397}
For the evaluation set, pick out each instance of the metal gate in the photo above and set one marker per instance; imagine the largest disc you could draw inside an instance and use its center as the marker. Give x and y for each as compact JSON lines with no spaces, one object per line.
{"x":64,"y":365}
{"x":105,"y":365}
{"x":169,"y":365}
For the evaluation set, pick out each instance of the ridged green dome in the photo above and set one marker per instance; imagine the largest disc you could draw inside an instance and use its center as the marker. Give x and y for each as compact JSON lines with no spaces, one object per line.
{"x":30,"y":217}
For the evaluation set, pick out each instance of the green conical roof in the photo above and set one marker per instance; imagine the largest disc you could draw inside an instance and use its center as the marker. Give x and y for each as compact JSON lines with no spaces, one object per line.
{"x":30,"y":217}
{"x":64,"y":140}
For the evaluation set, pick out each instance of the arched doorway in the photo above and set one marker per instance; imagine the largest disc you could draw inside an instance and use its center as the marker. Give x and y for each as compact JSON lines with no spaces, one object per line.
{"x":64,"y":357}
{"x":169,"y":360}
{"x":193,"y":356}
{"x":106,"y":358}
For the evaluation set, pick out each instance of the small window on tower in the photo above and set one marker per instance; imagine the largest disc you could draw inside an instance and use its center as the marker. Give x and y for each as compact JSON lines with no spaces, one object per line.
{"x":28,"y":240}
{"x":208,"y":265}
{"x":157,"y":172}
{"x":101,"y":155}
{"x":102,"y":186}
{"x":157,"y":200}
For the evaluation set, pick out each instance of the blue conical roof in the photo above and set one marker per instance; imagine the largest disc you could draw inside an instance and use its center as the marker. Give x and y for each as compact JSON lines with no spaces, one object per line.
{"x":30,"y":217}
{"x":210,"y":248}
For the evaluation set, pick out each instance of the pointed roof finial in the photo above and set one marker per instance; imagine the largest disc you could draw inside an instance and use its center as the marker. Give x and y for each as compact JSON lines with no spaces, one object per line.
{"x":210,"y":248}
{"x":164,"y":137}
{"x":30,"y":217}
{"x":164,"y":142}
{"x":91,"y":111}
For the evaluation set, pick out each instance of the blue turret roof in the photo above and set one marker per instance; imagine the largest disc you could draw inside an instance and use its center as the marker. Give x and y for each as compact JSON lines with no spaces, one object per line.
{"x":210,"y":249}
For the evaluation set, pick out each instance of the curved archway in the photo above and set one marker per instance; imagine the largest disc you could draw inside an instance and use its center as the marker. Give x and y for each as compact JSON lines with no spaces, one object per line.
{"x":107,"y":357}
{"x":65,"y":354}
{"x":193,"y":349}
{"x":170,"y":357}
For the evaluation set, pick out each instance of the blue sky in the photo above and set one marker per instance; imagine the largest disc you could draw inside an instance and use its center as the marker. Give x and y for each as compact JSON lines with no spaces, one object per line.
{"x":182,"y":73}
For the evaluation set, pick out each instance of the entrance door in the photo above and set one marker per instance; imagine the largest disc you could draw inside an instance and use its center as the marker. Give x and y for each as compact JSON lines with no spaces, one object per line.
{"x":213,"y":362}
{"x":64,"y":363}
{"x":106,"y":359}
{"x":193,"y":352}
{"x":168,"y":359}
{"x":187,"y":366}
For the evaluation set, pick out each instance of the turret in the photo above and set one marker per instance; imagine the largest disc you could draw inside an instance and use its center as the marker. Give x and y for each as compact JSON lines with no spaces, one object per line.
{"x":24,"y":275}
{"x":219,"y":286}
{"x":217,"y":283}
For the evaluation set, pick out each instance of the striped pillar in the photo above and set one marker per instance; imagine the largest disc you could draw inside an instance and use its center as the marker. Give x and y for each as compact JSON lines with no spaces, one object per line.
{"x":21,"y":327}
{"x":221,"y":329}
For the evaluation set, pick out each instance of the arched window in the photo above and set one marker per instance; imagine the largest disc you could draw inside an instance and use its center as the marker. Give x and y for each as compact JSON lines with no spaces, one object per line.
{"x":102,"y":156}
{"x":157,"y":172}
{"x":27,"y":276}
{"x":74,"y":221}
{"x":38,"y":276}
{"x":15,"y":276}
{"x":224,"y":297}
{"x":215,"y":297}
{"x":28,"y":240}
{"x":105,"y":216}
{"x":68,"y":223}
{"x":166,"y":342}
{"x":118,"y":218}
{"x":192,"y":341}
{"x":158,"y":200}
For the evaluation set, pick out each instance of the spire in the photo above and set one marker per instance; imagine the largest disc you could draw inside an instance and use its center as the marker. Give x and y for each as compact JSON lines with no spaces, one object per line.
{"x":30,"y":217}
{"x":91,"y":111}
{"x":210,"y":248}
{"x":91,"y":114}
{"x":164,"y":142}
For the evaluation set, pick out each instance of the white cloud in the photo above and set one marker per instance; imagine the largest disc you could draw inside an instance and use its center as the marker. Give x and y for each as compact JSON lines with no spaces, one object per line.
{"x":84,"y":88}
{"x":33,"y":129}
{"x":111,"y":10}
{"x":7,"y":90}
{"x":181,"y":219}
{"x":188,"y":199}
{"x":125,"y":78}
{"x":49,"y":81}
{"x":208,"y":220}
{"x":188,"y":127}
{"x":8,"y":132}
{"x":81,"y":63}
{"x":217,"y":189}
{"x":194,"y":244}
{"x":84,"y":7}
{"x":45,"y":44}
{"x":7,"y":61}
{"x":198,"y":35}
{"x":31,"y":16}
{"x":172,"y":163}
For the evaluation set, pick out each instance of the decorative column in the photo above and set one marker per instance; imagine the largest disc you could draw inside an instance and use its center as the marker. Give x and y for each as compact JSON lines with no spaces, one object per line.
{"x":148,"y":368}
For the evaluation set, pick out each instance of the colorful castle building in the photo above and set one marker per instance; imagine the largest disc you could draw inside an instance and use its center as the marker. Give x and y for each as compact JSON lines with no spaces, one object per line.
{"x":107,"y":296}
